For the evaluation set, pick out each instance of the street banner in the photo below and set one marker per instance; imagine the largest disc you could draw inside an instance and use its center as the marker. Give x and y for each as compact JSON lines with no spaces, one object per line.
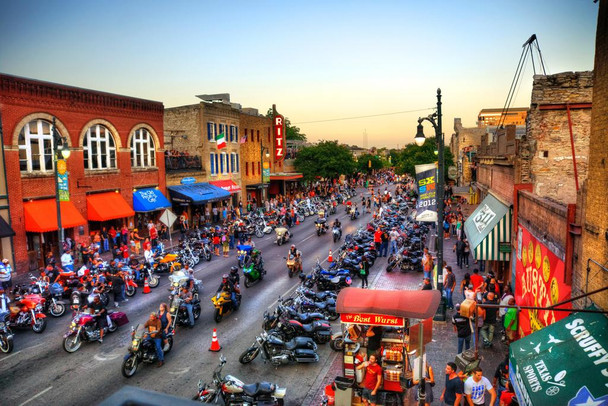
{"x":426,"y":205}
{"x":540,"y":282}
{"x":279,"y":148}
{"x":266,"y":173}
{"x":62,"y":181}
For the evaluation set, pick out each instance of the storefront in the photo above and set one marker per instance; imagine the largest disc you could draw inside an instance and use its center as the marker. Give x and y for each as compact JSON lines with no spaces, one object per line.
{"x":488,"y":230}
{"x":108,"y":209}
{"x":256,"y":193}
{"x":41,"y":228}
{"x":565,"y":363}
{"x":194,"y":197}
{"x":283,"y":183}
{"x":148,"y":204}
{"x":229,"y":186}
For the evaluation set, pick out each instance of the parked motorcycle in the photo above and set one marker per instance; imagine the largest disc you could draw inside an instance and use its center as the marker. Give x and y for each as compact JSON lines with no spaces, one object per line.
{"x":229,"y":390}
{"x":83,"y":328}
{"x":26,"y":312}
{"x":6,"y":335}
{"x":142,"y":349}
{"x":273,"y":349}
{"x":283,"y":235}
{"x":287,"y":329}
{"x":223,"y":305}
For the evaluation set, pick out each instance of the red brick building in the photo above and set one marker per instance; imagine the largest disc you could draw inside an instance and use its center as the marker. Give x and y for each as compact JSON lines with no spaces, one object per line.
{"x":116,"y":145}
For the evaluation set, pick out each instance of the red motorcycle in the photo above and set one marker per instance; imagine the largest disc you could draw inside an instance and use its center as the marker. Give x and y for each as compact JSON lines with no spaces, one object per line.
{"x":84,"y":328}
{"x":27,"y":312}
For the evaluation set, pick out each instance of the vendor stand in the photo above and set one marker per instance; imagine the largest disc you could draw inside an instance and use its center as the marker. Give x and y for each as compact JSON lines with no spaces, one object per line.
{"x":393,"y":312}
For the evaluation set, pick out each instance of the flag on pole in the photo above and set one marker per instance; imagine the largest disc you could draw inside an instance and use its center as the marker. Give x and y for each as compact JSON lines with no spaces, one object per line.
{"x":243,"y":139}
{"x":220,"y":139}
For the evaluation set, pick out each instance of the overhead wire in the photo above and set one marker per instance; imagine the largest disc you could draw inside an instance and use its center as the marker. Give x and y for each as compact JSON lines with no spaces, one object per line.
{"x":367,"y":116}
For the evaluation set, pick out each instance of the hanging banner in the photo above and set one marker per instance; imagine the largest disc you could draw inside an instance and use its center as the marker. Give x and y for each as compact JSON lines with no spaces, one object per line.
{"x":426,"y":205}
{"x":540,"y":282}
{"x":266,"y":173}
{"x":62,"y":181}
{"x":279,"y":149}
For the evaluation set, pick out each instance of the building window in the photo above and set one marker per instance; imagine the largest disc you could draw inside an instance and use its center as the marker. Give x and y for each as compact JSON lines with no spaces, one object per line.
{"x":258,"y":135}
{"x":223,"y":164}
{"x":99,"y":148}
{"x":36,"y":147}
{"x":259,"y":167}
{"x":246,"y":168}
{"x":213,"y":164}
{"x":143,"y":153}
{"x":238,"y":162}
{"x":211,"y":131}
{"x":268,"y":133}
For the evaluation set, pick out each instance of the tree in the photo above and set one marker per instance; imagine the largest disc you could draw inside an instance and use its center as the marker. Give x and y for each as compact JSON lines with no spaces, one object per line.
{"x":413,"y":155}
{"x":327,"y":159}
{"x":291,"y":131}
{"x":368,"y":162}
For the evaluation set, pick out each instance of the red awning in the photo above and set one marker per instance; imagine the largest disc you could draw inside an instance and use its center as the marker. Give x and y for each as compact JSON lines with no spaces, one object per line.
{"x":412,"y":304}
{"x":286,"y":176}
{"x":107,"y":206}
{"x":228,"y":185}
{"x":41,"y":215}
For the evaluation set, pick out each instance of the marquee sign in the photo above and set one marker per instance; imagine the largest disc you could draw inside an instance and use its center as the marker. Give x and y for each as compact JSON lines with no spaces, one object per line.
{"x":372,"y":319}
{"x":279,"y":147}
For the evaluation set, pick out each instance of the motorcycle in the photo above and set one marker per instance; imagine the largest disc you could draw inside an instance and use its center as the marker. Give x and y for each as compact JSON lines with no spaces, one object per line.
{"x":354,"y":213}
{"x":253,"y":273}
{"x":337,"y":233}
{"x":179,"y":312}
{"x":321,"y":227}
{"x":319,"y":331}
{"x":223,"y":305}
{"x":243,"y":252}
{"x":145,"y":271}
{"x":26,"y":312}
{"x":142,"y":349}
{"x":283,"y":235}
{"x":273,"y":349}
{"x":84,"y":328}
{"x":229,"y":390}
{"x":292,"y":265}
{"x":6,"y":335}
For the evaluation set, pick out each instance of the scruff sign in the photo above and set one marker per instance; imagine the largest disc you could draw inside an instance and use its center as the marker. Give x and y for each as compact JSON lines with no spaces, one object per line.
{"x":372,"y":319}
{"x":540,"y":282}
{"x":279,"y":148}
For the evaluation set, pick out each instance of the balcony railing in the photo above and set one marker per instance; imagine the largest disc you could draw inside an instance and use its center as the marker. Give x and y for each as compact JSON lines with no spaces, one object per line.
{"x":183,"y":163}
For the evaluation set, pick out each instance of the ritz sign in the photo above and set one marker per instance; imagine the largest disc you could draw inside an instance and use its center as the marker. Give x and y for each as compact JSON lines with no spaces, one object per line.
{"x":279,"y":144}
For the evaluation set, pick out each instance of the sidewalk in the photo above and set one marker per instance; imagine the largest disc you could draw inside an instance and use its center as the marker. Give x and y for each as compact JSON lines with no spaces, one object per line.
{"x":443,"y":347}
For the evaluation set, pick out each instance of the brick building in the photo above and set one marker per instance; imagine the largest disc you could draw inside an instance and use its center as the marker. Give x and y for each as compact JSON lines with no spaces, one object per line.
{"x":116,"y":149}
{"x":256,"y":152}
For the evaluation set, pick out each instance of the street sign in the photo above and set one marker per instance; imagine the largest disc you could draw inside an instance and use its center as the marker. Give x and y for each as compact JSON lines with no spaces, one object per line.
{"x":452,"y":172}
{"x":168,"y":218}
{"x":188,"y":181}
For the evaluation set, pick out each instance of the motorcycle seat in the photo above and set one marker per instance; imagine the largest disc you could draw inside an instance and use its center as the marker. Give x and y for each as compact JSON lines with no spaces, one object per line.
{"x":259,"y":388}
{"x":335,"y":280}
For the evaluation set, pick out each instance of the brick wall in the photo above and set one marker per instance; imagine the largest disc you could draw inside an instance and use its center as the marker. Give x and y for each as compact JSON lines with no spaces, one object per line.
{"x":497,"y":178}
{"x":256,"y":128}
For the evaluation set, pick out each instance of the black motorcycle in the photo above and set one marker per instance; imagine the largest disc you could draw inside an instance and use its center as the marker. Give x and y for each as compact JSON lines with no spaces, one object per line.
{"x":273,"y":349}
{"x":142,"y":349}
{"x":179,"y":311}
{"x":6,"y":335}
{"x":287,"y":329}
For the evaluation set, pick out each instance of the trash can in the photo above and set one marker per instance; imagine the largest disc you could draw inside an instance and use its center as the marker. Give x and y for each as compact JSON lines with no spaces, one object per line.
{"x":344,"y":391}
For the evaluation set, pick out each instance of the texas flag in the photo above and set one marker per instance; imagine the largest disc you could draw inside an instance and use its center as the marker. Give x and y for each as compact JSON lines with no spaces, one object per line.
{"x":220,"y":139}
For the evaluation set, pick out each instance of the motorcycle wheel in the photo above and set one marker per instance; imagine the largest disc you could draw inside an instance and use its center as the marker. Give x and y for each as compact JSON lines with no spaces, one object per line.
{"x":291,"y":271}
{"x":335,"y":238}
{"x":57,"y":310}
{"x":196,"y":312}
{"x":317,"y":338}
{"x":280,"y":242}
{"x":196,"y":259}
{"x":72,"y":343}
{"x":113,"y":327}
{"x":129,"y":366}
{"x":217,"y":316}
{"x":208,"y":257}
{"x":131,"y":291}
{"x":153,"y":281}
{"x":288,"y":301}
{"x":39,"y":326}
{"x":249,"y":355}
{"x":259,"y":233}
{"x":390,"y":267}
{"x":248,"y":282}
{"x":318,"y":233}
{"x":168,"y":346}
{"x":337,"y":344}
{"x":6,"y":343}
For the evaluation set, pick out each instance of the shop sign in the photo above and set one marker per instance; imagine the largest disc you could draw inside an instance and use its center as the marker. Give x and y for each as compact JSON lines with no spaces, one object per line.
{"x":540,"y":276}
{"x":279,"y":149}
{"x":62,"y":181}
{"x":188,"y":181}
{"x":426,"y":205}
{"x":372,"y":319}
{"x":483,"y":217}
{"x":452,"y":172}
{"x":504,"y":247}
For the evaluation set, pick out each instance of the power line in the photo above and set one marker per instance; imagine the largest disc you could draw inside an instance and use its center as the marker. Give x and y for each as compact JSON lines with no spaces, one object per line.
{"x":373,"y":115}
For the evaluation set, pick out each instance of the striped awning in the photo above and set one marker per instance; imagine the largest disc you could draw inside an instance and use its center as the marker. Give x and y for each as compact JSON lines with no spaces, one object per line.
{"x":489,"y":230}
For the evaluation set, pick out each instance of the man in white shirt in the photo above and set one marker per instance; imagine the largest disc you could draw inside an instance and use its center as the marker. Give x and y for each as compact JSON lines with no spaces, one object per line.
{"x":394,"y":235}
{"x":475,"y":388}
{"x":67,"y":261}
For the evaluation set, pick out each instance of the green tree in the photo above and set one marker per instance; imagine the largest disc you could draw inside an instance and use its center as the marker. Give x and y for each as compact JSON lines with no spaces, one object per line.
{"x":291,"y":131}
{"x":413,"y":155}
{"x":368,"y":162}
{"x":327,"y":159}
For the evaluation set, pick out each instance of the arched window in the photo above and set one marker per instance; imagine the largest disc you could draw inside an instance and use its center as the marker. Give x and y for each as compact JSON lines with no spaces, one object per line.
{"x":36,"y":147}
{"x":99,"y":148}
{"x":143,"y":153}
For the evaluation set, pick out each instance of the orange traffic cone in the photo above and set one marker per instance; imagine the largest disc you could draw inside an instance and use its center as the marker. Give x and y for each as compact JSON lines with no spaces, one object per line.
{"x":146,"y":286}
{"x":330,"y":258}
{"x":297,"y":221}
{"x":215,"y":345}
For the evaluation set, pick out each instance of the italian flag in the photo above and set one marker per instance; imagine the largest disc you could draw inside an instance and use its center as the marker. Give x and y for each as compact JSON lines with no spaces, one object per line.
{"x":220,"y":139}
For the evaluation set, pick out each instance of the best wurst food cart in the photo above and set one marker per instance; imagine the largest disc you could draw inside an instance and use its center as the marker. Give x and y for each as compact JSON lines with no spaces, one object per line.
{"x":392,"y":310}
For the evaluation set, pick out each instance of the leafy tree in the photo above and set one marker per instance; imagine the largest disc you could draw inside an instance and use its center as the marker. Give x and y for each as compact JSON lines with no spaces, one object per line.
{"x":368,"y":162}
{"x":291,"y":131}
{"x":327,"y":159}
{"x":413,"y":155}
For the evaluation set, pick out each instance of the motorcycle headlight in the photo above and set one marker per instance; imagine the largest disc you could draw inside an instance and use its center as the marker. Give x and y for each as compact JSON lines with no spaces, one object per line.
{"x":172,"y":310}
{"x":73,"y":325}
{"x":134,"y":344}
{"x":38,"y":308}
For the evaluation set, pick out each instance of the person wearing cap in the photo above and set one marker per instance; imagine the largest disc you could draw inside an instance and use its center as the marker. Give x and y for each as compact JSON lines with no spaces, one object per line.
{"x":394,"y":235}
{"x":6,"y":274}
{"x":462,"y":327}
{"x":67,"y":261}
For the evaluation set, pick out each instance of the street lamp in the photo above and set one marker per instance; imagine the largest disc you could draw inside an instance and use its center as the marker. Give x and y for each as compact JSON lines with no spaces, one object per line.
{"x":62,"y":151}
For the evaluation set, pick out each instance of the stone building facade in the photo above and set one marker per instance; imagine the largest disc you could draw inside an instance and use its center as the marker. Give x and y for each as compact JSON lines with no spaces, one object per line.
{"x":463,"y":145}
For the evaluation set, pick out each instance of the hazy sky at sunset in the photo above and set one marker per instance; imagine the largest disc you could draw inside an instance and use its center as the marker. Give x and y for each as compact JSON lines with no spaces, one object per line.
{"x":316,"y":60}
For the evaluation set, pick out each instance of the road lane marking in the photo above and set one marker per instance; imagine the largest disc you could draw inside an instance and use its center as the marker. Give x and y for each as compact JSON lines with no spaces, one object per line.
{"x":12,"y":355}
{"x":37,"y":395}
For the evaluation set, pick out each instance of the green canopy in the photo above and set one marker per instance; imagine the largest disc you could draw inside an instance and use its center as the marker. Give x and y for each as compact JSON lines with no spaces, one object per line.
{"x":565,"y":363}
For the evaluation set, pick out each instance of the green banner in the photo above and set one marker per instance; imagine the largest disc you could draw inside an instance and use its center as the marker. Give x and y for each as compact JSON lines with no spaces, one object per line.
{"x":266,"y":175}
{"x":62,"y":181}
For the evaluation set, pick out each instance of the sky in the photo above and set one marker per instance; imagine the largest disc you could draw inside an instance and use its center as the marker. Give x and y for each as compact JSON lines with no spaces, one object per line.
{"x":316,"y":60}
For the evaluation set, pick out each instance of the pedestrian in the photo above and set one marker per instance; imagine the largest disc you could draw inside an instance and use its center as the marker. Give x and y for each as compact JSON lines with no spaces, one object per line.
{"x":384,"y":244}
{"x":449,"y":283}
{"x":462,"y":326}
{"x":372,"y":380}
{"x":429,"y":383}
{"x":67,"y":261}
{"x":6,"y":277}
{"x":118,"y":288}
{"x":216,"y":217}
{"x":231,"y":235}
{"x":478,"y":282}
{"x":153,"y":232}
{"x":489,"y":319}
{"x":105,"y":240}
{"x":427,"y":263}
{"x":225,"y":243}
{"x":426,"y":284}
{"x":459,"y":250}
{"x":50,"y":259}
{"x":475,"y":388}
{"x":364,"y":272}
{"x":124,"y":234}
{"x":216,"y":243}
{"x":378,"y":240}
{"x":501,"y":377}
{"x":510,"y":322}
{"x":207,"y":215}
{"x":394,"y":236}
{"x":466,"y":252}
{"x":454,"y":387}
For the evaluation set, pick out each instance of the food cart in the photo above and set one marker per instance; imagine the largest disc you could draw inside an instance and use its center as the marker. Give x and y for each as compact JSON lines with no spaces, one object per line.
{"x":392,"y":310}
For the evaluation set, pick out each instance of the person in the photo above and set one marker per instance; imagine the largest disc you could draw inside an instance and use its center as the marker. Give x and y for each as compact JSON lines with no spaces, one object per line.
{"x":501,"y":377}
{"x":153,"y":233}
{"x":225,"y":243}
{"x":4,"y":301}
{"x":459,"y":250}
{"x":154,"y":329}
{"x":216,"y":243}
{"x":234,"y":276}
{"x":427,"y":263}
{"x":384,"y":237}
{"x":394,"y":236}
{"x":374,"y":340}
{"x":67,"y":261}
{"x":449,"y":284}
{"x":475,"y":388}
{"x":118,"y":288}
{"x":426,"y":284}
{"x":464,"y":284}
{"x":364,"y":272}
{"x":378,"y":240}
{"x":50,"y":259}
{"x":462,"y":327}
{"x":454,"y":387}
{"x":429,"y":382}
{"x":477,"y":281}
{"x":6,"y":274}
{"x":489,"y":320}
{"x":297,"y":255}
{"x":105,"y":240}
{"x":510,"y":322}
{"x":227,"y":286}
{"x":186,"y":297}
{"x":372,"y":380}
{"x":100,"y":312}
{"x":508,"y":397}
{"x":466,"y":252}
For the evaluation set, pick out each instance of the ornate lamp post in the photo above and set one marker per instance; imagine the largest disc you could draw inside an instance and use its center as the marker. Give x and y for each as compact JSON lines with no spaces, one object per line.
{"x":61,"y":152}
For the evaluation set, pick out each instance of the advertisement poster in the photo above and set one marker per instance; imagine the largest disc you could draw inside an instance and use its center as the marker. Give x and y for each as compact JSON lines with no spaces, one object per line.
{"x":426,"y":180}
{"x":62,"y":181}
{"x":540,"y":282}
{"x":266,"y":173}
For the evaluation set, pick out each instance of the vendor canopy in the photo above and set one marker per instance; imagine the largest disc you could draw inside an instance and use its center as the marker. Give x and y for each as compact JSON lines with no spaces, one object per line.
{"x":565,"y":363}
{"x":413,"y":304}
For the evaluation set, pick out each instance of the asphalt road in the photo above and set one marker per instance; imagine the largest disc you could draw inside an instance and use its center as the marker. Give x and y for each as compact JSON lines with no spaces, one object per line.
{"x":40,"y":372}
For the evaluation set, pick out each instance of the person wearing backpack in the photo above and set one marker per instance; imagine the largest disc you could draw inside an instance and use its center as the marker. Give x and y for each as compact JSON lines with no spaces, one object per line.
{"x":364,"y":272}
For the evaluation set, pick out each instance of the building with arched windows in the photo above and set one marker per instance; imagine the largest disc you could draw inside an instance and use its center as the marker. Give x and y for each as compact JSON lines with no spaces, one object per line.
{"x":117,"y":155}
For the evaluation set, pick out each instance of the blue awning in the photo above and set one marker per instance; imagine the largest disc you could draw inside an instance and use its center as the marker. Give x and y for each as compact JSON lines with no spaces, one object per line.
{"x":197,"y":193}
{"x":149,"y":200}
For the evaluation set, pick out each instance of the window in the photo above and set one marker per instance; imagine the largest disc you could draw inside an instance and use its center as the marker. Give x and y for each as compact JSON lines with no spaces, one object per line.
{"x":232,"y":133}
{"x":258,"y":135}
{"x":211,"y":131}
{"x":36,"y":147}
{"x":236,"y":134}
{"x":213,"y":164}
{"x":143,"y":153}
{"x":246,"y":138}
{"x":223,"y":131}
{"x":99,"y":148}
{"x":246,"y":168}
{"x":224,"y":163}
{"x":232,"y":163}
{"x":259,"y":167}
{"x":238,"y":163}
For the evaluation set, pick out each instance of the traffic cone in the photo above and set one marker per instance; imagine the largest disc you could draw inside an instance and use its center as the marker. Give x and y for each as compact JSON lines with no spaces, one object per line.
{"x":146,"y":286}
{"x":215,"y":345}
{"x":297,"y":221}
{"x":330,"y":258}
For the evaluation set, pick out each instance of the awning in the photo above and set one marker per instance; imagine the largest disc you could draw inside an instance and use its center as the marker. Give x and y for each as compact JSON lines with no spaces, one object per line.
{"x":149,"y":200}
{"x":5,"y":229}
{"x":228,"y":185}
{"x":197,"y":193}
{"x":41,"y":215}
{"x":488,"y":230}
{"x":285,"y":176}
{"x":565,"y":363}
{"x":107,"y":206}
{"x":415,"y":304}
{"x":257,"y":186}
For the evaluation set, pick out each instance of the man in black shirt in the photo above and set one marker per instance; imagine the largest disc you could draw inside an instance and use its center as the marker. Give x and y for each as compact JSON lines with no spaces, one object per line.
{"x":454,"y":387}
{"x":426,"y":284}
{"x":99,"y":310}
{"x":463,"y":327}
{"x":489,"y":321}
{"x":501,"y":377}
{"x":374,"y":340}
